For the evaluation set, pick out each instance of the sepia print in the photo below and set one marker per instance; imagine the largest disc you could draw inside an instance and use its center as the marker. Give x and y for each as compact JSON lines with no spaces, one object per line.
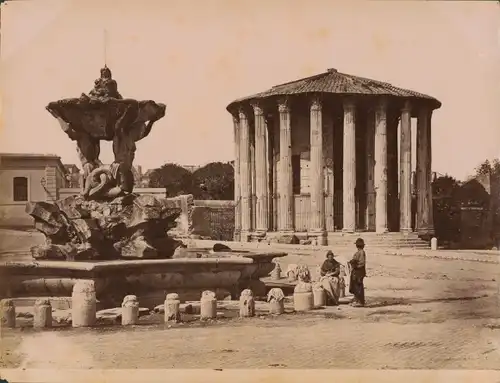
{"x":228,"y":185}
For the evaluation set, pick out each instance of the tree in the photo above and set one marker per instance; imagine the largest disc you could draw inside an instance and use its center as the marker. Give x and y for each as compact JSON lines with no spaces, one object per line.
{"x":215,"y":181}
{"x":446,"y":207}
{"x":492,"y":168}
{"x":176,"y":179}
{"x":489,"y":167}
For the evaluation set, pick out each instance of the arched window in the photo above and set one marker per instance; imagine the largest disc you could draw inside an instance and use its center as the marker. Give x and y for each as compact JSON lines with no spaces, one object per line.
{"x":20,"y":189}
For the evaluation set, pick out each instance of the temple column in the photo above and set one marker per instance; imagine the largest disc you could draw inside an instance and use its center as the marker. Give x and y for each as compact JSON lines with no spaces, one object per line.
{"x":370,"y":169}
{"x":424,"y":223}
{"x":245,"y":177}
{"x":405,"y":170}
{"x":317,"y":220}
{"x":285,"y":186}
{"x":237,"y":185}
{"x":261,"y":179}
{"x":381,"y":167}
{"x":392,"y":171}
{"x":349,"y":174}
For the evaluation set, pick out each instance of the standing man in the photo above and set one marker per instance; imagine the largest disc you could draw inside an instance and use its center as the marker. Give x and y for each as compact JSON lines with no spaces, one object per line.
{"x":358,"y":273}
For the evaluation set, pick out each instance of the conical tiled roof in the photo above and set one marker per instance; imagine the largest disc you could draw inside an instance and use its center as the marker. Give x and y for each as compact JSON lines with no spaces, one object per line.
{"x":336,"y":82}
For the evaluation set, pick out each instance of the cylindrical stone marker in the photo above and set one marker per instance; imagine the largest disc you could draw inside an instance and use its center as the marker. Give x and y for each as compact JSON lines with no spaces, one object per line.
{"x":276,"y":273}
{"x":303,"y":298}
{"x":8,"y":313}
{"x":172,"y":308}
{"x":247,"y":304}
{"x":319,"y":295}
{"x":434,"y":243}
{"x":291,"y":273}
{"x":208,"y":305}
{"x":342,"y":288}
{"x":275,"y":298}
{"x":83,"y":304}
{"x":42,"y":315}
{"x":130,"y":310}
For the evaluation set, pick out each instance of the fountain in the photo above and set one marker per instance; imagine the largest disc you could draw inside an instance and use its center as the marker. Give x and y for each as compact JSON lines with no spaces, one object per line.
{"x":109,"y":234}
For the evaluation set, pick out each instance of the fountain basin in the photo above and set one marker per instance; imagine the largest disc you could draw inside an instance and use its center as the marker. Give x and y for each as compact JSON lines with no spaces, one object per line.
{"x":229,"y":271}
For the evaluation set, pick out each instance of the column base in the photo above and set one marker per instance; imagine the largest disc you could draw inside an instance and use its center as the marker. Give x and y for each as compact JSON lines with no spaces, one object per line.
{"x":320,"y":235}
{"x":348,"y":231}
{"x":258,"y":236}
{"x":406,"y":230}
{"x":237,"y":235}
{"x":383,"y":230}
{"x":426,"y":232}
{"x":245,"y":236}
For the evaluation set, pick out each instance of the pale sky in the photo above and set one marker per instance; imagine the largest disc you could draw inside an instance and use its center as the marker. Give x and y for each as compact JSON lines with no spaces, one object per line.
{"x":197,"y":56}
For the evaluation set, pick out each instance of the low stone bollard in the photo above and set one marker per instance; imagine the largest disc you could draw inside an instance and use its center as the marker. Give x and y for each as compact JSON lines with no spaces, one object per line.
{"x":291,"y":273}
{"x":276,"y":273}
{"x":434,"y":243}
{"x":303,"y":298}
{"x":276,"y":300}
{"x":342,"y":288}
{"x":247,"y":304}
{"x":172,"y":308}
{"x":130,"y":310}
{"x":319,"y":295}
{"x":83,"y":304}
{"x":8,"y":314}
{"x":208,"y":305}
{"x":42,"y":313}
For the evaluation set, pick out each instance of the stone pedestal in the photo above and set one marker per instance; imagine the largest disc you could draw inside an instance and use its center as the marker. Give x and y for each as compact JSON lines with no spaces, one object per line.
{"x":83,"y":304}
{"x":130,"y":310}
{"x":275,"y":298}
{"x":172,"y":308}
{"x":8,"y":313}
{"x":349,"y":173}
{"x":285,"y":185}
{"x":247,"y":304}
{"x":319,"y":295}
{"x":42,"y":313}
{"x":303,"y":298}
{"x":208,"y":305}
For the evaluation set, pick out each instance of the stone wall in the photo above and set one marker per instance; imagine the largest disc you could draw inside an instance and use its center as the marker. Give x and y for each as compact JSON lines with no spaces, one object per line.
{"x":213,"y":219}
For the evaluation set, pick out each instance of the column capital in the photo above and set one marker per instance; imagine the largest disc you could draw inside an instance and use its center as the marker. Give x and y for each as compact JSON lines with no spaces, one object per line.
{"x":316,"y":103}
{"x":349,"y":103}
{"x":236,"y":118}
{"x":242,"y":114}
{"x":424,"y":111}
{"x":407,"y":107}
{"x":382,"y":103}
{"x":258,"y":110}
{"x":284,"y":105}
{"x":268,"y":118}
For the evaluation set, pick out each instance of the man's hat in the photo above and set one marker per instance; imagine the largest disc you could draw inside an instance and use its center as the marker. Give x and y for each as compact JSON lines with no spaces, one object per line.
{"x":359,"y":242}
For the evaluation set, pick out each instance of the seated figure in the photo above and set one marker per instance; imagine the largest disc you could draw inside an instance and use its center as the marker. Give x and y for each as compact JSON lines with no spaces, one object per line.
{"x":331,"y":278}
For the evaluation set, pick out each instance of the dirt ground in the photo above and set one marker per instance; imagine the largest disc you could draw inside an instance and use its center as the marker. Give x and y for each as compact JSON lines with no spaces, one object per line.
{"x":422,"y":313}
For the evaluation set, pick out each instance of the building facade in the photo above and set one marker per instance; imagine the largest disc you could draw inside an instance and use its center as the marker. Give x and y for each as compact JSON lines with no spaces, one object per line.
{"x":24,"y":178}
{"x":322,"y":155}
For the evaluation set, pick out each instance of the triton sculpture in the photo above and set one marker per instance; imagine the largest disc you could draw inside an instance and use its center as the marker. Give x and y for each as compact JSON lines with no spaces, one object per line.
{"x":107,"y":220}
